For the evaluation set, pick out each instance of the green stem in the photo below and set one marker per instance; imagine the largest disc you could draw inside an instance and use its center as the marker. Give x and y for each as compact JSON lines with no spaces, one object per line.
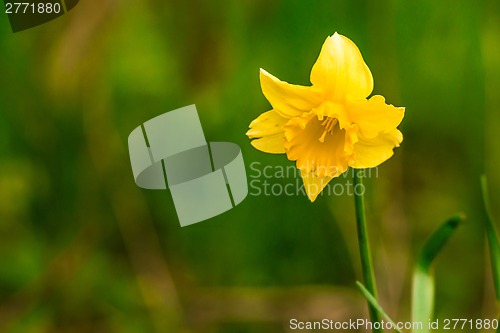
{"x":369,"y":297}
{"x":364,"y":244}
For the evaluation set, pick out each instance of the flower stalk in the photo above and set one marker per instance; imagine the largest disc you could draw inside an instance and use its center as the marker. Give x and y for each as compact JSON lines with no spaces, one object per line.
{"x":364,"y":246}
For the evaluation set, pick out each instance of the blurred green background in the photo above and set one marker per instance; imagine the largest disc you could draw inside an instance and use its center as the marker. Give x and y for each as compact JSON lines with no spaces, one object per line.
{"x":83,"y":249}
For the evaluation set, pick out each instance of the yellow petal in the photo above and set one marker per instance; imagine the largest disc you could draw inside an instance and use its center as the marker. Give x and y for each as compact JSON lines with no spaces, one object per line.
{"x":340,"y":69}
{"x":374,"y":116}
{"x":270,"y":144}
{"x":268,"y":129}
{"x":288,"y":100}
{"x":313,"y":184}
{"x":369,"y":153}
{"x":268,"y":123}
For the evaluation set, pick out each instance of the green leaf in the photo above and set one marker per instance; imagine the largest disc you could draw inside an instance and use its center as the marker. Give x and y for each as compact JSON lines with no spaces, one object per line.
{"x":492,"y":238}
{"x":423,"y":277}
{"x":373,"y":302}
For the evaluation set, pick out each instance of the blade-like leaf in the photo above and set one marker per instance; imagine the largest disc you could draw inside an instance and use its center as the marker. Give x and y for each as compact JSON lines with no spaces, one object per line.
{"x":492,"y":238}
{"x":373,"y":302}
{"x":423,"y":278}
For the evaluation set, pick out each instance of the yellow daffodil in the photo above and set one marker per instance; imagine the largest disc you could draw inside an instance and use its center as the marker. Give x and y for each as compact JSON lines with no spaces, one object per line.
{"x":329,"y":126}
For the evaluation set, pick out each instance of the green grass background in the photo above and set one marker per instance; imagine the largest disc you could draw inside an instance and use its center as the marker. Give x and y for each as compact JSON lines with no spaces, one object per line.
{"x":82,"y":249}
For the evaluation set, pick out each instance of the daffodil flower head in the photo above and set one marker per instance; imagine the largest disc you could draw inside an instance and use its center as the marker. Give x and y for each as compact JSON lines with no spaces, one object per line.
{"x":329,"y":126}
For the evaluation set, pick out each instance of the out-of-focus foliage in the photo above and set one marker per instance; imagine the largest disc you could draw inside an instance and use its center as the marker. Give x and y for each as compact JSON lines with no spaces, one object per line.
{"x":82,"y":249}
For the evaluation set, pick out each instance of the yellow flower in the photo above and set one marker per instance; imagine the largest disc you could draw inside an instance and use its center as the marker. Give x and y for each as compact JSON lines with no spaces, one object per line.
{"x":329,"y":126}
